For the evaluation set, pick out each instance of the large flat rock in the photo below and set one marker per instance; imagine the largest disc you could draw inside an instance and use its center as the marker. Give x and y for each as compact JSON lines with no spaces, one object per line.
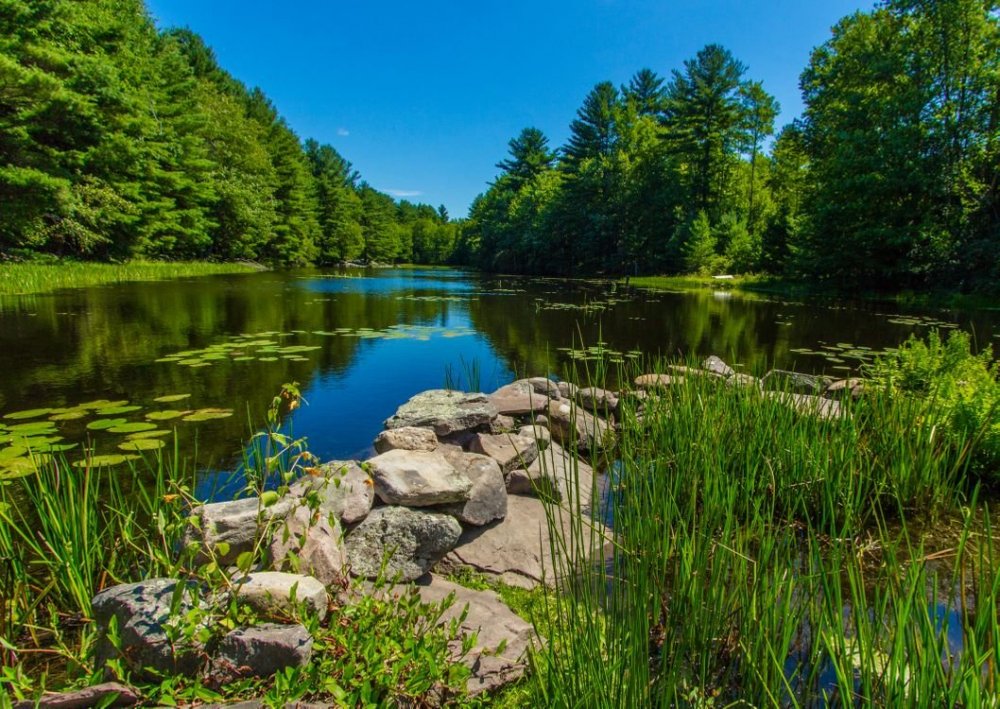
{"x":524,"y":396}
{"x":499,"y":656}
{"x":417,"y":479}
{"x":445,"y":411}
{"x":509,"y":451}
{"x":516,"y":550}
{"x":488,"y":496}
{"x":558,"y":474}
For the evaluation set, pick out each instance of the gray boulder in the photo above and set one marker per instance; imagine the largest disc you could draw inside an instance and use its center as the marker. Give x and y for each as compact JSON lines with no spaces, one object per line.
{"x":519,"y":398}
{"x":843,"y":389}
{"x":507,"y":450}
{"x":236,"y":526}
{"x":262,"y":650}
{"x":417,"y":479}
{"x":149,"y":615}
{"x":409,"y":542}
{"x":310,"y":542}
{"x":809,"y":405}
{"x":499,"y":656}
{"x":540,"y":434}
{"x":488,"y":496}
{"x":342,"y":488}
{"x":407,"y":438}
{"x":445,"y":411}
{"x":657,"y":381}
{"x":715,"y":365}
{"x":571,"y":425}
{"x":556,"y":474}
{"x":794,"y":382}
{"x":279,"y":595}
{"x":567,"y":390}
{"x":602,"y":401}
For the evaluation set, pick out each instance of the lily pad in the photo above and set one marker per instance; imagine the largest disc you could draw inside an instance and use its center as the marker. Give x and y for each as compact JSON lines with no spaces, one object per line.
{"x":33,"y":428}
{"x":142,"y":444}
{"x":165,"y":415}
{"x":158,"y":433}
{"x":99,"y":461}
{"x":104,"y":424}
{"x":28,"y":414}
{"x":208,"y":415}
{"x":171,"y":398}
{"x":115,"y":410}
{"x":132,"y":427}
{"x":69,"y":416}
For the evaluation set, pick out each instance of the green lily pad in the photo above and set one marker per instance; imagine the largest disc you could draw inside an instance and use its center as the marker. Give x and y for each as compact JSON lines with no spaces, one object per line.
{"x":99,"y":461}
{"x":267,"y":359}
{"x":33,"y":428}
{"x":171,"y":398}
{"x":158,"y":433}
{"x":71,"y":415}
{"x":102,"y":404}
{"x":165,"y":415}
{"x":115,"y":410}
{"x":104,"y":424}
{"x":208,"y":415}
{"x":200,"y":364}
{"x":132,"y":427}
{"x":142,"y":444}
{"x":28,"y":414}
{"x":21,"y":467}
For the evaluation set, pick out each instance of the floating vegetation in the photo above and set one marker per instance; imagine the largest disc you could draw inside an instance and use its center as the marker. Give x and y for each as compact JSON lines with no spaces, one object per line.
{"x":104,"y":461}
{"x":208,"y":415}
{"x":171,"y":398}
{"x":132,"y":427}
{"x":166,"y":415}
{"x":115,"y":410}
{"x":142,"y":444}
{"x":600,"y":352}
{"x":105,"y":424}
{"x":29,"y":414}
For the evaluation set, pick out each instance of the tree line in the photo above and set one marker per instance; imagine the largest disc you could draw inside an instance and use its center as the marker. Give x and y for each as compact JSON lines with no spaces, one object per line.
{"x":118,"y":141}
{"x":889,"y":179}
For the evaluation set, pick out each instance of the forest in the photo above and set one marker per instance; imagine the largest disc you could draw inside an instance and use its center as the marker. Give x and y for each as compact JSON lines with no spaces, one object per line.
{"x":888,"y":180}
{"x":121,"y":141}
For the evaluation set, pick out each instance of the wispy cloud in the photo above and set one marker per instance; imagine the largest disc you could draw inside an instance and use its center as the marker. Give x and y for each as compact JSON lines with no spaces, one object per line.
{"x":405,"y":193}
{"x":343,"y":132}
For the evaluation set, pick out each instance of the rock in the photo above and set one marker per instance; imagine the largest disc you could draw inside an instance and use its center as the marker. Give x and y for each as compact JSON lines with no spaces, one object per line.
{"x":279,"y":595}
{"x":542,"y":421}
{"x":540,"y":434}
{"x":108,"y":694}
{"x":445,"y":411}
{"x":657,"y":381}
{"x":502,"y":424}
{"x":680,"y":369}
{"x":519,"y":398}
{"x":502,"y":637}
{"x":488,"y":496}
{"x":567,"y":390}
{"x":417,"y":479}
{"x":594,"y":399}
{"x":238,"y":524}
{"x":407,"y":438}
{"x":143,"y":611}
{"x":413,"y":540}
{"x":544,"y":385}
{"x":342,"y":487}
{"x":793,"y":382}
{"x":557,"y":475}
{"x":715,"y":365}
{"x":262,"y":650}
{"x":807,"y":404}
{"x":743,"y":380}
{"x":509,"y":451}
{"x":843,"y":389}
{"x":517,"y":549}
{"x":310,"y":542}
{"x":572,"y":426}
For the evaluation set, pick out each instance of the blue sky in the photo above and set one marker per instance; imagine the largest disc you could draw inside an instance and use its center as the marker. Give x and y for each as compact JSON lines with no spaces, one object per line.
{"x":423,"y":97}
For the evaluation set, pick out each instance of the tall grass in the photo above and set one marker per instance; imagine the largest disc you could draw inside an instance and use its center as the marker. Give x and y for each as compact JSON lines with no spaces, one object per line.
{"x":26,"y":278}
{"x":764,"y":557}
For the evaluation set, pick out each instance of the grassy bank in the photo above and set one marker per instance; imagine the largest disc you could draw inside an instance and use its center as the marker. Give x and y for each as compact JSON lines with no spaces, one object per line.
{"x":767,"y":558}
{"x":28,"y":278}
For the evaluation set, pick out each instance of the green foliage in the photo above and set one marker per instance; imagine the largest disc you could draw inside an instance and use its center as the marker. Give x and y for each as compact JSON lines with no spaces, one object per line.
{"x":961,"y":390}
{"x":118,"y":141}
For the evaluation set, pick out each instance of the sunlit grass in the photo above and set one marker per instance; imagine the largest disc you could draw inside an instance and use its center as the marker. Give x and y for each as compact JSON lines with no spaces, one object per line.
{"x":27,"y":278}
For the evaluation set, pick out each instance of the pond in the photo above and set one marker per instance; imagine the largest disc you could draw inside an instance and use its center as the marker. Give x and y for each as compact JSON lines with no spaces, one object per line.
{"x":121,"y":367}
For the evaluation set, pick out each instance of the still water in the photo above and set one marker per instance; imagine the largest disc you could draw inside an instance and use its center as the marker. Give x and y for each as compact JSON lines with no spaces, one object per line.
{"x":360,"y":342}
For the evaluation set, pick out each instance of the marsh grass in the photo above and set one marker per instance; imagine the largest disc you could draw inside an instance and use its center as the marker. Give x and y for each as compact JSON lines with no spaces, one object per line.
{"x":33,"y":278}
{"x":763,"y":557}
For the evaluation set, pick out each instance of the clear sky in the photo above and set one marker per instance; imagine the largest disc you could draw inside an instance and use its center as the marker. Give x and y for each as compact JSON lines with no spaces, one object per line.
{"x":422,"y":97}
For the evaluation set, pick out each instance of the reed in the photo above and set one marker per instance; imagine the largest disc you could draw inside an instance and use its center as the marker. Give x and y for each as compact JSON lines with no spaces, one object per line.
{"x":764,"y":557}
{"x":33,"y":278}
